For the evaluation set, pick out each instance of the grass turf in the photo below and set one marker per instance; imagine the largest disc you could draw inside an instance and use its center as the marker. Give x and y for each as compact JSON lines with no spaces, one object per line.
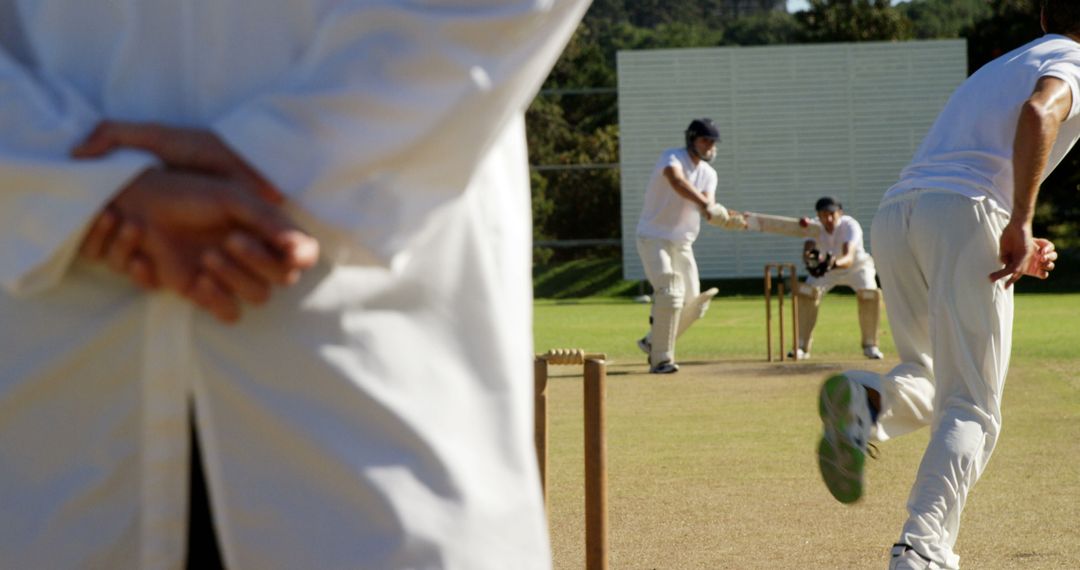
{"x":714,"y":467}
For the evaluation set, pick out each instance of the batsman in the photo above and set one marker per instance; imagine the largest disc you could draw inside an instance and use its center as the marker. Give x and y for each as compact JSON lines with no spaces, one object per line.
{"x":681,"y":190}
{"x":837,"y":257}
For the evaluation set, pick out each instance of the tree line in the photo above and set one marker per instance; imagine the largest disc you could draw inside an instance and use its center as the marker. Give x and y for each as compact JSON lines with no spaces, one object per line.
{"x":575,"y":120}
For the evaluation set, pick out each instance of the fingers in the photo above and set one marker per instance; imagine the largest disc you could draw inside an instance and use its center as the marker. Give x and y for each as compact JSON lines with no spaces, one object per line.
{"x":99,"y":236}
{"x":184,"y":148}
{"x":247,"y":287}
{"x":110,"y":135}
{"x":121,"y":251}
{"x":254,"y":256}
{"x":1007,"y":271}
{"x":301,"y":250}
{"x":208,"y":294}
{"x":297,"y":250}
{"x":141,"y":271}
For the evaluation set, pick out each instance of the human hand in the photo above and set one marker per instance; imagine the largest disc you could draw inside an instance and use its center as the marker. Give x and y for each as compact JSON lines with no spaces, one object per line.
{"x":1016,"y":250}
{"x":182,"y":148}
{"x":1041,"y":263}
{"x":208,"y":239}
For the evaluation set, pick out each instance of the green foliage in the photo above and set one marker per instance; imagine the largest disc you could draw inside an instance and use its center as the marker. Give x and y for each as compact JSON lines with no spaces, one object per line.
{"x":1009,"y":25}
{"x":852,"y":21}
{"x":762,"y":29}
{"x":570,"y":128}
{"x":935,"y":19}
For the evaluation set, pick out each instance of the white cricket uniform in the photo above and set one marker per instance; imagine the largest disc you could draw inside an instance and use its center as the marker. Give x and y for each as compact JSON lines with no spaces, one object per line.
{"x":936,"y":237}
{"x":669,"y":223}
{"x":377,"y":414}
{"x":861,"y":273}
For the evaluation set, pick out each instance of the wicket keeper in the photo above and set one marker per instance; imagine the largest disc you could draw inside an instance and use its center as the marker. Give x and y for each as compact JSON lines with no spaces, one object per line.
{"x":837,"y":257}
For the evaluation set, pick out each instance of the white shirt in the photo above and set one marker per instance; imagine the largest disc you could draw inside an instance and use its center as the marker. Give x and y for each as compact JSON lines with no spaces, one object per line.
{"x":847,"y":230}
{"x":666,"y":214}
{"x":969,"y":150}
{"x":378,"y":414}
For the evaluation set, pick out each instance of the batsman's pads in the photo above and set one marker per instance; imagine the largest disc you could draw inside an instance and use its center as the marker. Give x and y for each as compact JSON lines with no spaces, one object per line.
{"x":666,"y":311}
{"x":695,"y":309}
{"x":809,"y":299}
{"x":817,"y":264}
{"x":869,"y":315}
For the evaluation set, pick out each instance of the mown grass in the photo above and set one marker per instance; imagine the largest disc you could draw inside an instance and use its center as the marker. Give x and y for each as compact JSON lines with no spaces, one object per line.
{"x":714,"y":467}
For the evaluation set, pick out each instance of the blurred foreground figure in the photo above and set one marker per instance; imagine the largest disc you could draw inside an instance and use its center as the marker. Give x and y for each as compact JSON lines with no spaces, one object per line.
{"x":342,"y":187}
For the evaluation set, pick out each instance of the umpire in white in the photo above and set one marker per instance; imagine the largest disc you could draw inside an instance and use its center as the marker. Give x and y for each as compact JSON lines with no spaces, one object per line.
{"x":681,"y":190}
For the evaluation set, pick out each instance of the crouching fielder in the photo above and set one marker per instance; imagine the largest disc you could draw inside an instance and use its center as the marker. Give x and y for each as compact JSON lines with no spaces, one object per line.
{"x":681,"y":190}
{"x":837,"y":257}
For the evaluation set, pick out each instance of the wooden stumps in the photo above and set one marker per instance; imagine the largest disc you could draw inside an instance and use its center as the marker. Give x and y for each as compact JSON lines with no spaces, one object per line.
{"x":595,"y":388}
{"x":779,"y":269}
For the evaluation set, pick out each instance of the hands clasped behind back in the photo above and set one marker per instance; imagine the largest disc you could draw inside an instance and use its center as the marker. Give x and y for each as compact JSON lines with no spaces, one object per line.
{"x":205,"y":225}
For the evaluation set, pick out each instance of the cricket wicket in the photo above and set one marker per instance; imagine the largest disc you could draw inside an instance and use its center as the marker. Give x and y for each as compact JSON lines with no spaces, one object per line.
{"x":778,"y":269}
{"x":596,"y":524}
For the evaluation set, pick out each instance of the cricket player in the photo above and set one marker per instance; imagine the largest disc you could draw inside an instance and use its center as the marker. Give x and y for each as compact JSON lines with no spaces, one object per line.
{"x":375,"y":413}
{"x":951,"y":237}
{"x":681,"y":190}
{"x":837,"y":257}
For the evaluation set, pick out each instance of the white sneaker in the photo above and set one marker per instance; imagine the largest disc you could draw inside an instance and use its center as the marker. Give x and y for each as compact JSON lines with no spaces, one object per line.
{"x":665,"y":367}
{"x":799,"y":354}
{"x":845,"y":416}
{"x":872,"y":352}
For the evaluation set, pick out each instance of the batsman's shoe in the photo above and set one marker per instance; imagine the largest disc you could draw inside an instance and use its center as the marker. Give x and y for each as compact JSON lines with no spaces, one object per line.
{"x":644,"y":345}
{"x":798,"y":354}
{"x":845,"y":415}
{"x":904,"y":557}
{"x":872,"y":352}
{"x":665,"y":367}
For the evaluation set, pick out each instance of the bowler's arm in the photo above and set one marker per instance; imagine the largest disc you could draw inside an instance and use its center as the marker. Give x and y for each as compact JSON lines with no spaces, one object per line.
{"x":1037,"y":130}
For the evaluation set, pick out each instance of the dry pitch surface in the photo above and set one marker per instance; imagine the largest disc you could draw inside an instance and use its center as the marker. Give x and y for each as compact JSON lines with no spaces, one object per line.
{"x":714,"y":468}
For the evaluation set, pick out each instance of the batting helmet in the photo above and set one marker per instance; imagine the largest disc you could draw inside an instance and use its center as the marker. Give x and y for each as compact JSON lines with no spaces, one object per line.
{"x":703,"y":127}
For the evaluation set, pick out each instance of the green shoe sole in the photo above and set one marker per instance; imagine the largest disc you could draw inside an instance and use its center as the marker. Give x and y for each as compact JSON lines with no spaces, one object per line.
{"x":841,"y":462}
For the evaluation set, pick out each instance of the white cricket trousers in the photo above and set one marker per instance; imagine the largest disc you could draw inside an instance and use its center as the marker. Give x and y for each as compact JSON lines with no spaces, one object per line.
{"x":661,"y":256}
{"x":953,"y":333}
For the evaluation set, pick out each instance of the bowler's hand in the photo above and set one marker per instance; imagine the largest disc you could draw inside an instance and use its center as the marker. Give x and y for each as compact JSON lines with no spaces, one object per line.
{"x":1017,"y":248}
{"x":1041,"y":263}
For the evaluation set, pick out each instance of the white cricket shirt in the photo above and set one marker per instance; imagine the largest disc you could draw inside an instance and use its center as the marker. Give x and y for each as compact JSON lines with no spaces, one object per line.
{"x":846,"y":230}
{"x":969,"y":150}
{"x":666,"y":214}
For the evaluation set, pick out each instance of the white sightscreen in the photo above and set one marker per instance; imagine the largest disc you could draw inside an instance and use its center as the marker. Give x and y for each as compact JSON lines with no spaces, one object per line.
{"x":797,"y":122}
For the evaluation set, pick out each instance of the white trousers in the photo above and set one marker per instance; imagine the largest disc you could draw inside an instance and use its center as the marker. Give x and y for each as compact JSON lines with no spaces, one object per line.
{"x":661,"y":256}
{"x":953,"y":333}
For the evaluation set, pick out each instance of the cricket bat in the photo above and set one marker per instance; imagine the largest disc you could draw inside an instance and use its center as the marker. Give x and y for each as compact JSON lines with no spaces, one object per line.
{"x":769,"y":224}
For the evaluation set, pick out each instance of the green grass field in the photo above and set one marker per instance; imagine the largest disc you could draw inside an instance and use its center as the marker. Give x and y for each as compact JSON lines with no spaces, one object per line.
{"x":714,"y":467}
